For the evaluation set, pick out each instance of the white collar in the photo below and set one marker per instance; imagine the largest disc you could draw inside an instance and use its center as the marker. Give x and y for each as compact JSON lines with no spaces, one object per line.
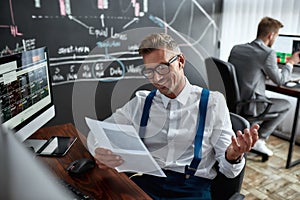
{"x":181,"y":98}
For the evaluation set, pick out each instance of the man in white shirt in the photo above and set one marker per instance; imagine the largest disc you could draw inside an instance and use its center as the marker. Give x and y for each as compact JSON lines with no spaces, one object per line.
{"x":172,"y":126}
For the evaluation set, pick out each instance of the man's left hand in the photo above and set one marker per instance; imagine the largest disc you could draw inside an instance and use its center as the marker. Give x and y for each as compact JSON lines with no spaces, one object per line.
{"x":242,"y":143}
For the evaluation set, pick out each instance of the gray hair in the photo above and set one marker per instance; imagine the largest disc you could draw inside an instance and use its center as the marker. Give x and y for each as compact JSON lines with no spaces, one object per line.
{"x":158,"y":41}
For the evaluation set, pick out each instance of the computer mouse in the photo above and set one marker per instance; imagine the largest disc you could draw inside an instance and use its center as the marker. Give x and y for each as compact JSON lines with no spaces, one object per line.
{"x":80,"y":166}
{"x":291,"y":84}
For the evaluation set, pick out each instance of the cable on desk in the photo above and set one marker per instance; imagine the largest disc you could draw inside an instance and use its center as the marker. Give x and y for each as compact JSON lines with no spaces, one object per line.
{"x":137,"y":174}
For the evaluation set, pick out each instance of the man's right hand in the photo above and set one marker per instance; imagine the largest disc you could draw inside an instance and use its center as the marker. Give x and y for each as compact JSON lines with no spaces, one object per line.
{"x":105,"y":158}
{"x":295,"y":58}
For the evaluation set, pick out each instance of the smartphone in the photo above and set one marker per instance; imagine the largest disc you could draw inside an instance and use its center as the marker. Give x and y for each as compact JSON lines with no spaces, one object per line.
{"x":56,"y":146}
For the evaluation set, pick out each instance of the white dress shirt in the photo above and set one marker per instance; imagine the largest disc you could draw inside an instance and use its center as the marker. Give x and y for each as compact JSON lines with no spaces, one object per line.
{"x":172,"y":128}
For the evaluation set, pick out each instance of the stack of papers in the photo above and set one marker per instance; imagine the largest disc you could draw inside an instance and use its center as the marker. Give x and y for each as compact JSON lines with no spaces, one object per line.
{"x":124,"y":140}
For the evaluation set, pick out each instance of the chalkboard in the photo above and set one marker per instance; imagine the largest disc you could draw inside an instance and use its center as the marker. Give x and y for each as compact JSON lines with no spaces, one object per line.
{"x":93,"y":43}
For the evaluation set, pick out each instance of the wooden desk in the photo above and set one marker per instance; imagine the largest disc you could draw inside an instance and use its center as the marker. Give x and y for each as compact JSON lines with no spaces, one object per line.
{"x":293,"y":92}
{"x":99,"y":184}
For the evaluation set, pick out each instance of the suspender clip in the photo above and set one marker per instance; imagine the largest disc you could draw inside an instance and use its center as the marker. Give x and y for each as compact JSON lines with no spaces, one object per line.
{"x":189,"y":171}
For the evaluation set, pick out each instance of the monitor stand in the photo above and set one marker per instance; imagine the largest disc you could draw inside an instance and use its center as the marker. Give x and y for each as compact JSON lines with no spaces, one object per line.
{"x":34,"y":144}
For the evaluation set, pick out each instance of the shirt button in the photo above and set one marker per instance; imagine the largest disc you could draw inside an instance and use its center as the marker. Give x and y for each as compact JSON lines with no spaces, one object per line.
{"x":172,"y":114}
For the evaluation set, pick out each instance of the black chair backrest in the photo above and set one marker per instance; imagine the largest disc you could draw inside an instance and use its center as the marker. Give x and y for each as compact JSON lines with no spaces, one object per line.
{"x":228,"y":74}
{"x":223,"y":188}
{"x":238,"y":122}
{"x":194,"y":75}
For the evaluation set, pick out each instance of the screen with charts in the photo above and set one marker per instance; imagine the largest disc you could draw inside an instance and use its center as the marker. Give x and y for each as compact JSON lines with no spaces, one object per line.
{"x":25,"y":92}
{"x":285,"y":46}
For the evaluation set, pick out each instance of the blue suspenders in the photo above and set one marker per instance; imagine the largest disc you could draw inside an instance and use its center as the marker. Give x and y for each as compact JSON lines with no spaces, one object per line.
{"x":145,"y":115}
{"x":192,"y":168}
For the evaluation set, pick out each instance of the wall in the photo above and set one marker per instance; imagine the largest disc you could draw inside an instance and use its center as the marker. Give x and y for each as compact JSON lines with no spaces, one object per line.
{"x":92,"y":45}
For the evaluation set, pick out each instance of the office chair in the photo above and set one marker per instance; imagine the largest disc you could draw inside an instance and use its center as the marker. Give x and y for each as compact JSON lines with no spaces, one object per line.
{"x":224,"y":188}
{"x":234,"y":103}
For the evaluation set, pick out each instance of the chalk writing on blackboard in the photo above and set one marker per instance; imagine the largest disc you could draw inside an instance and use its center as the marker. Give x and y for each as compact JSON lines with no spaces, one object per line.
{"x":97,"y":39}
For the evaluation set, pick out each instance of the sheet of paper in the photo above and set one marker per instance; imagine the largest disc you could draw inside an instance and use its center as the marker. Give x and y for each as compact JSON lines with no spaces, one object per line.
{"x":123,"y":140}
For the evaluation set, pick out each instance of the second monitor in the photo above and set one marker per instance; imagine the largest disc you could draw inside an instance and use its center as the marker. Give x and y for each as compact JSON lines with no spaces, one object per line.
{"x":285,"y":46}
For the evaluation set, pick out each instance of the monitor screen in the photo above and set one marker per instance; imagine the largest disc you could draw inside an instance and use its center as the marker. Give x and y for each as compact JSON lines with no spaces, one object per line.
{"x":26,"y":100}
{"x":285,"y":46}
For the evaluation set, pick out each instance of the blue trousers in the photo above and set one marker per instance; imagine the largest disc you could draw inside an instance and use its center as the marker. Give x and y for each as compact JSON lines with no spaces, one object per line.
{"x":175,"y":186}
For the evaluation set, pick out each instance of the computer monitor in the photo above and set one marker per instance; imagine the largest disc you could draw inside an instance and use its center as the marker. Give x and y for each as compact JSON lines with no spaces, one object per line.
{"x":285,"y":46}
{"x":26,"y":96}
{"x":23,"y":176}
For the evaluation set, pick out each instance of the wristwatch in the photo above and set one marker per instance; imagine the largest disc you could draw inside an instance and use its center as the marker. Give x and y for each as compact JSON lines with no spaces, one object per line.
{"x":237,"y":161}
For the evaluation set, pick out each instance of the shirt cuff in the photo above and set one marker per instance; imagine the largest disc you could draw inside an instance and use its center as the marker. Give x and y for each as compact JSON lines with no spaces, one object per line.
{"x":232,"y":170}
{"x":289,"y":65}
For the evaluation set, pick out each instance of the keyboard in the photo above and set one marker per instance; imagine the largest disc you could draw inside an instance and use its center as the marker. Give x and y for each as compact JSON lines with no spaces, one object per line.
{"x":295,"y":77}
{"x":75,"y":192}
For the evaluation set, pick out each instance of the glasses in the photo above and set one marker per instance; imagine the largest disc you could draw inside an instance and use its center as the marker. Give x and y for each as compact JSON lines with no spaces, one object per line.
{"x":161,"y":69}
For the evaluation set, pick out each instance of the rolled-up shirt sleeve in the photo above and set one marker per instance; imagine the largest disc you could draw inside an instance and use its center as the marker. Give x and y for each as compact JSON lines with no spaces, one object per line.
{"x":223,"y":130}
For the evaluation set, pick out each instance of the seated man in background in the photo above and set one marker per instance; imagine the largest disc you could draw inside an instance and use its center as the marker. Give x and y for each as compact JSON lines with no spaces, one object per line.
{"x":254,"y":62}
{"x":172,"y":126}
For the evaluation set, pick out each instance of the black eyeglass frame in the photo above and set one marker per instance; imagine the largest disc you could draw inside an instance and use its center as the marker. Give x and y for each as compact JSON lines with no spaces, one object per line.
{"x":152,"y":70}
